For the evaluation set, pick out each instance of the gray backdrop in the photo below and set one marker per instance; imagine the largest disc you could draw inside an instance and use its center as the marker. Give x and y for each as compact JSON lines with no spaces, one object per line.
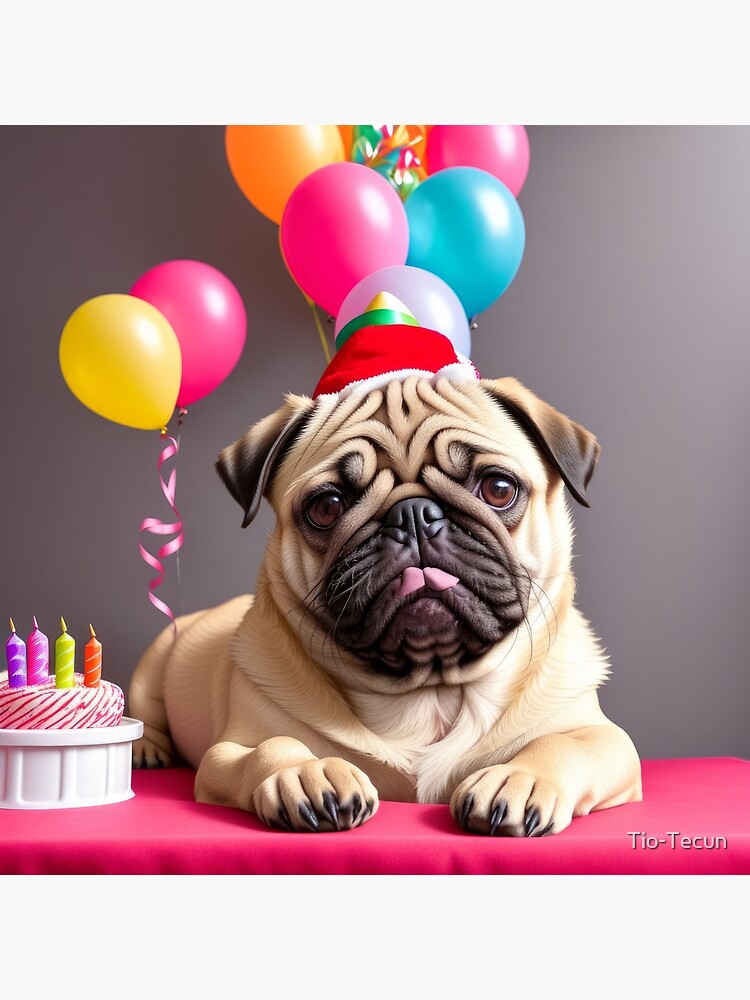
{"x":629,"y":313}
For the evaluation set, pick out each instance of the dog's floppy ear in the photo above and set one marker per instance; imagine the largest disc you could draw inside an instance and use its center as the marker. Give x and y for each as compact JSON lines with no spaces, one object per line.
{"x":246,"y":467}
{"x":571,"y":449}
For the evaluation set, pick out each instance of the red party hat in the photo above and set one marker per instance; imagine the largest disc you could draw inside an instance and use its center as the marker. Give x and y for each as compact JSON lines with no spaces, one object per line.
{"x":387,"y":343}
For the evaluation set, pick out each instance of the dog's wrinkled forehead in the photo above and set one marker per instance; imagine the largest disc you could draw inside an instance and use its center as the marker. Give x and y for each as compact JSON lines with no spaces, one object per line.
{"x":408,"y":428}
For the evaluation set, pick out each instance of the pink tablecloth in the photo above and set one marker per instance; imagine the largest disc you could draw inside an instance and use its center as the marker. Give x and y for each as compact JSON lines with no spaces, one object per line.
{"x":161,"y":830}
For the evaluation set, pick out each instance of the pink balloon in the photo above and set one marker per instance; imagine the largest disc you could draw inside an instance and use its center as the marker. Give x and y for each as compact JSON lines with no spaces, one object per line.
{"x":501,"y":150}
{"x":431,"y":301}
{"x":340,"y":223}
{"x":208,"y":316}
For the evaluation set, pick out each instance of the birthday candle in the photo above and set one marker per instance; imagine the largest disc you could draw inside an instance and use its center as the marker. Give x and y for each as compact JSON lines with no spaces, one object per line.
{"x":15,"y":651}
{"x":92,"y":661}
{"x":38,"y":656}
{"x":65,"y":651}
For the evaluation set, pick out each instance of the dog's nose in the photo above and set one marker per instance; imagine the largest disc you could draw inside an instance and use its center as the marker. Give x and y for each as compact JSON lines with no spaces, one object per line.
{"x":414,"y":519}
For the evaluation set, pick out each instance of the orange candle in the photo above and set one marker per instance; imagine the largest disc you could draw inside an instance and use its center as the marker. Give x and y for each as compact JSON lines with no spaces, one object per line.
{"x":92,"y":661}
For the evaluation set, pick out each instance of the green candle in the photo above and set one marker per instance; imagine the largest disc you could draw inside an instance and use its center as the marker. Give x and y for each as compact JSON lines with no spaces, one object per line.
{"x":65,"y":652}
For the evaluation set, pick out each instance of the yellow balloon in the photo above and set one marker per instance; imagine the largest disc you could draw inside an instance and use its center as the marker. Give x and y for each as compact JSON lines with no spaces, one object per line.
{"x":120,"y":357}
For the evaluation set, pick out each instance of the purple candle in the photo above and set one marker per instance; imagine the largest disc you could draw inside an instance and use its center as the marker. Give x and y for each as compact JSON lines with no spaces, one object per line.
{"x":38,"y":656}
{"x":15,"y":651}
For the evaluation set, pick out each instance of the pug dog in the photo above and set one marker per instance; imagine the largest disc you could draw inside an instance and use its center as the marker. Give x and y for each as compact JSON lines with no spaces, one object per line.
{"x":413,"y":634}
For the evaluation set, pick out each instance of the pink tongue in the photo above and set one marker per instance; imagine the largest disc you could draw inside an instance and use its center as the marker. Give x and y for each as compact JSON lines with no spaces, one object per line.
{"x":439,"y":580}
{"x":436,"y":579}
{"x":411,"y":579}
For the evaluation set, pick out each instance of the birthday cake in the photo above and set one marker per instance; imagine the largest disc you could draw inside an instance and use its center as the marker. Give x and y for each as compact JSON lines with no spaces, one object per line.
{"x":31,"y":697}
{"x":45,"y":706}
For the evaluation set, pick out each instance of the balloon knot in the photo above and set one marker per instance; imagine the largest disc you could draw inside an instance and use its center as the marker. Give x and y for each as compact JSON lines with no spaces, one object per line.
{"x":163,"y":432}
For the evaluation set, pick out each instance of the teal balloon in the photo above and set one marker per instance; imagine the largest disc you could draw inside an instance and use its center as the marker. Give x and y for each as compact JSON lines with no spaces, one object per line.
{"x":467,"y":228}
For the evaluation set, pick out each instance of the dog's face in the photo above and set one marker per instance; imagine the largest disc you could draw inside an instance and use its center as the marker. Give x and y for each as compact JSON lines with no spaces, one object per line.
{"x":419,"y":526}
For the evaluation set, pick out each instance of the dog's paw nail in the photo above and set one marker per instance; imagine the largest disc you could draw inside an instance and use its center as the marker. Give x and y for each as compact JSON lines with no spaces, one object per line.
{"x":332,"y":808}
{"x":549,"y":828}
{"x":356,"y":806}
{"x":532,"y":821}
{"x":465,"y":810}
{"x":498,"y":815}
{"x":309,"y":816}
{"x":284,"y":817}
{"x":370,"y":809}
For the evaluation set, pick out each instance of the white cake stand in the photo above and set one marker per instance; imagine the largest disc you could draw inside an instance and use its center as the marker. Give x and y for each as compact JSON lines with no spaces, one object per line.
{"x":66,"y":768}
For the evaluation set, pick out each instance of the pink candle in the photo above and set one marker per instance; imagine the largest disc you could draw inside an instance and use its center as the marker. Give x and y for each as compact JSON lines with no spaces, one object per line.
{"x":15,"y":651}
{"x":38,"y":656}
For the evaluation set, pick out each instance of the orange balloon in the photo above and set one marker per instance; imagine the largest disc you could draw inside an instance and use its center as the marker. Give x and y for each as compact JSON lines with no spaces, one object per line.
{"x":269,"y":161}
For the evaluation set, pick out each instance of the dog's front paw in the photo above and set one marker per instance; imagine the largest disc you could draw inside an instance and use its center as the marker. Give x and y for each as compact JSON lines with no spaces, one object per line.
{"x":147,"y":753}
{"x":316,"y":796}
{"x":509,"y":801}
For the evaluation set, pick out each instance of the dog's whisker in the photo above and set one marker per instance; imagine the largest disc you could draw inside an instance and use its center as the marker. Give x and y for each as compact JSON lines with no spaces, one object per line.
{"x":540,"y":590}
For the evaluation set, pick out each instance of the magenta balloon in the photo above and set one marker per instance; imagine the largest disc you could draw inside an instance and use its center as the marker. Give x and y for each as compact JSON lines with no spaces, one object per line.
{"x":341,"y":223}
{"x":431,"y":300}
{"x":501,"y":150}
{"x":208,"y":316}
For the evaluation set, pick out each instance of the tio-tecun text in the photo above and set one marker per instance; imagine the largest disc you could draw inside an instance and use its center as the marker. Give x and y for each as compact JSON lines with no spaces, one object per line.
{"x":674,"y":839}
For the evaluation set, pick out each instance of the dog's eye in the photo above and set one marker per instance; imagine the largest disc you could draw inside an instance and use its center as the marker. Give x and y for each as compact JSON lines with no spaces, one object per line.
{"x":325,"y":508}
{"x":498,"y":491}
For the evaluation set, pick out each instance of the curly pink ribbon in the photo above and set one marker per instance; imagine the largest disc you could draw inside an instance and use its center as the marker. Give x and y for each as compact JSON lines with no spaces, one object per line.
{"x":158,"y":527}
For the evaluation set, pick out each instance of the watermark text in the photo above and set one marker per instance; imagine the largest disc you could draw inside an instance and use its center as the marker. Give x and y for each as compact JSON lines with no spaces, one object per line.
{"x":673,"y":839}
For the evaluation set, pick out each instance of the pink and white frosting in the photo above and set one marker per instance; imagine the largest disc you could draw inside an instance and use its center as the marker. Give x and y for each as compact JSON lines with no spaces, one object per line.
{"x":45,"y":706}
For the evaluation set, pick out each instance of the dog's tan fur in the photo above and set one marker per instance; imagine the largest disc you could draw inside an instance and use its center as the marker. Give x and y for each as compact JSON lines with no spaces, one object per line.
{"x":273,"y":714}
